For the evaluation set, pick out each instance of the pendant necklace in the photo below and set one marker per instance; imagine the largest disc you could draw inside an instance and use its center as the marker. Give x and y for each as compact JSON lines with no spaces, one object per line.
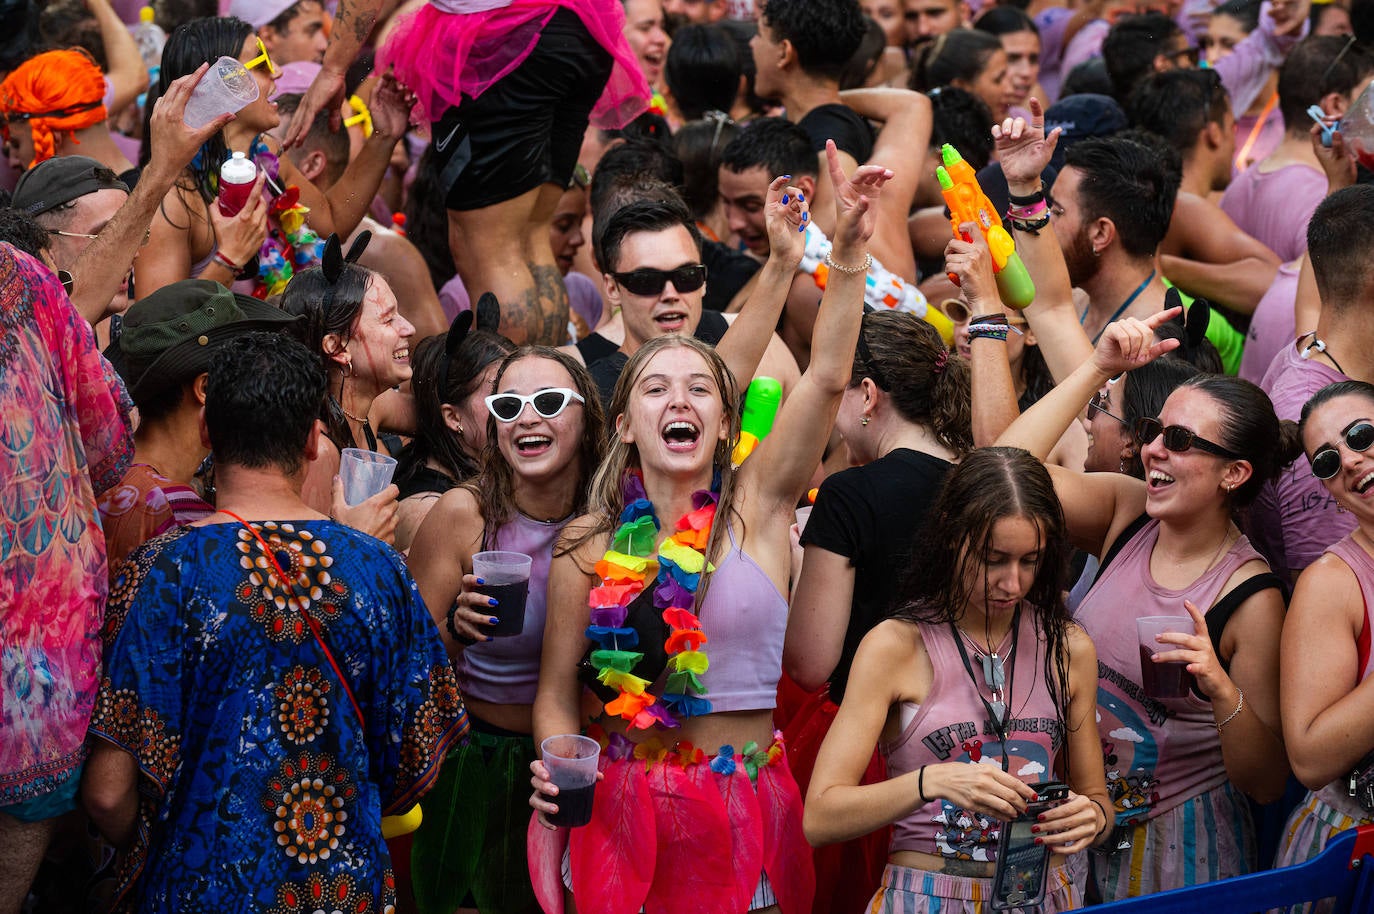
{"x":995,"y":678}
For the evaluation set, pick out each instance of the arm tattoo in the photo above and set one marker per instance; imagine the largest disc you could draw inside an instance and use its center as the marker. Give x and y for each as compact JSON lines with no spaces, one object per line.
{"x":551,"y":306}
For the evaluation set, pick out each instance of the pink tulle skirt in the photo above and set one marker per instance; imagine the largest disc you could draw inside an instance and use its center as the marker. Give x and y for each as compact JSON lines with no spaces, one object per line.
{"x":444,"y":57}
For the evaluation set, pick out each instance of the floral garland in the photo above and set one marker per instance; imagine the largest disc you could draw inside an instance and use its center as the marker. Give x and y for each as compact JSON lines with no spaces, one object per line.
{"x":624,"y":572}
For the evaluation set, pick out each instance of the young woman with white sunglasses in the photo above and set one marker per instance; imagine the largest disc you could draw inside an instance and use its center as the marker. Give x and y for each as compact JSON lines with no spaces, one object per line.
{"x":544,"y":441}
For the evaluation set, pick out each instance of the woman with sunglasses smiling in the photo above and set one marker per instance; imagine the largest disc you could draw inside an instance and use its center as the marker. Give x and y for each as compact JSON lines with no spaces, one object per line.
{"x":1176,"y":767}
{"x":544,"y":435}
{"x":191,"y":238}
{"x":1328,"y":695}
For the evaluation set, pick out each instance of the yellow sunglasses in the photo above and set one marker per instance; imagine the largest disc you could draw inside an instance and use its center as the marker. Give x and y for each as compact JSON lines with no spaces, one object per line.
{"x":262,"y":60}
{"x":360,"y":115}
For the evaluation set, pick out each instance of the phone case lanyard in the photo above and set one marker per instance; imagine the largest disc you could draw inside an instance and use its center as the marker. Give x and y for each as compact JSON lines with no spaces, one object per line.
{"x":300,"y":607}
{"x":996,"y":721}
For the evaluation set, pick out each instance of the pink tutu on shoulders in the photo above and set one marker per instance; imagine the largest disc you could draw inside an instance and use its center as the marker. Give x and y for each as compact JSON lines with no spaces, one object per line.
{"x":446,"y":56}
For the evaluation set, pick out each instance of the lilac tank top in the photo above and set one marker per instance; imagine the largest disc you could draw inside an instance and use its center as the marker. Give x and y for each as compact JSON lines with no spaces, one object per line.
{"x":952,"y":726}
{"x":505,"y":671}
{"x":1337,"y":793}
{"x":745,"y":618}
{"x":1158,"y":752}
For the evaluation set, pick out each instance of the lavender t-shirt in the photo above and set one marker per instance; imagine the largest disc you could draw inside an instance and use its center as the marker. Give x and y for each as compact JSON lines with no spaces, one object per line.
{"x":1276,"y":206}
{"x":1295,"y":518}
{"x":1272,"y":326}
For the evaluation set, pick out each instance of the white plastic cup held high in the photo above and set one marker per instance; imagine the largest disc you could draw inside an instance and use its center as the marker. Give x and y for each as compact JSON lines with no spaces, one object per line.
{"x":226,"y":88}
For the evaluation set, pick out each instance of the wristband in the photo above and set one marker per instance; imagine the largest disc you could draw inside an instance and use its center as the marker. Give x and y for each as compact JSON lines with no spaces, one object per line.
{"x":1037,"y":195}
{"x":849,"y":271}
{"x":1106,"y":819}
{"x":225,"y":262}
{"x":1029,"y":226}
{"x":921,"y":785}
{"x":1029,"y":211}
{"x":991,"y":331}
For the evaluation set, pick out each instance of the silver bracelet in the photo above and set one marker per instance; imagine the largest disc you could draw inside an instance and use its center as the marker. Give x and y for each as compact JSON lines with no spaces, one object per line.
{"x":848,"y":271}
{"x":1240,"y":703}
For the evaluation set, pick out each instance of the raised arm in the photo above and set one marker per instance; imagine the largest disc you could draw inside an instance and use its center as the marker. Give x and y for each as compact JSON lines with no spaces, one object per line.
{"x":1094,"y":503}
{"x":994,"y":391}
{"x":102,"y":266}
{"x":1024,"y":151}
{"x":743,"y":345}
{"x":352,"y":25}
{"x":127,"y":74}
{"x":343,"y":206}
{"x":778,"y":472}
{"x":904,"y":137}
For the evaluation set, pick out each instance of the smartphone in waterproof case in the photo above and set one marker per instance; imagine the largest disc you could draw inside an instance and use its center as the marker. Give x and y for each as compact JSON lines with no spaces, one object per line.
{"x":1022,"y":865}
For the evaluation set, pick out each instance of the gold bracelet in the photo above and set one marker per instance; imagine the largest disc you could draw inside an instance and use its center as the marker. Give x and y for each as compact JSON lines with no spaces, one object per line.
{"x":848,"y":271}
{"x":1240,"y":703}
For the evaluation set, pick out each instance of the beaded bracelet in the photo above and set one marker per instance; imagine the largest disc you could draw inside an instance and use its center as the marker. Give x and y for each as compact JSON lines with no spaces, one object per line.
{"x":848,"y":271}
{"x":1240,"y":703}
{"x":990,"y":327}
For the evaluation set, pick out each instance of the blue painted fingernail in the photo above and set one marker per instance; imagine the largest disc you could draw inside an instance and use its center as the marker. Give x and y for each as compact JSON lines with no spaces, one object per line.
{"x":491,"y":601}
{"x":805,"y":216}
{"x":480,"y":581}
{"x":801,"y":197}
{"x":493,"y":620}
{"x":802,"y":227}
{"x":785,"y":198}
{"x":490,"y":638}
{"x":787,"y":177}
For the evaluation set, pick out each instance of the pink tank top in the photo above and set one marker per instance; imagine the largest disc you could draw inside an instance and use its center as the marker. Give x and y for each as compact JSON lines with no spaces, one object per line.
{"x":1337,"y":793}
{"x":952,"y":726}
{"x":1158,"y":752}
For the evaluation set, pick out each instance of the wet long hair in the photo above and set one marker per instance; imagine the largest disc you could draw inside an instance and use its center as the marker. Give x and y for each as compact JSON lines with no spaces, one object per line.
{"x":905,"y":357}
{"x":992,"y":484}
{"x":605,"y":501}
{"x":190,"y":45}
{"x":494,"y":485}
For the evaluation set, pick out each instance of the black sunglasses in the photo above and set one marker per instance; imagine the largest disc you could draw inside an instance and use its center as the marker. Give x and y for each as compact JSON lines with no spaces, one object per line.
{"x":1326,"y":463}
{"x":549,"y":403}
{"x":1098,"y":404}
{"x":648,"y":281}
{"x":1178,"y":439}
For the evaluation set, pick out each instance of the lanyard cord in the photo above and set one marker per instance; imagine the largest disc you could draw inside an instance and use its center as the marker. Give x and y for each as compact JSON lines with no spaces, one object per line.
{"x":1083,"y":319}
{"x":997,"y":722}
{"x":300,"y":607}
{"x":1242,"y":157}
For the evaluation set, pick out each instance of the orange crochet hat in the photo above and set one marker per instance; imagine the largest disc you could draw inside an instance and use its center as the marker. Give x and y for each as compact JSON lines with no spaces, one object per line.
{"x":55,"y":91}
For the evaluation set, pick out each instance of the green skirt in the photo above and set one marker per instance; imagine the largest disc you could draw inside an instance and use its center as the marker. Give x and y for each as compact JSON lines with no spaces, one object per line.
{"x":471,"y":845}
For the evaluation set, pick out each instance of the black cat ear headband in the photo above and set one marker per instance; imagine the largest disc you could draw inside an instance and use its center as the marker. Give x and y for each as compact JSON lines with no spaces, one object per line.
{"x":1194,"y":321}
{"x":487,"y":316}
{"x":333,"y":259}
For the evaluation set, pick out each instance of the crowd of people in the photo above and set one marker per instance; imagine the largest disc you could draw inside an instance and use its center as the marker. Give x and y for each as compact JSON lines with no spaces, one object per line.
{"x":680,"y":300}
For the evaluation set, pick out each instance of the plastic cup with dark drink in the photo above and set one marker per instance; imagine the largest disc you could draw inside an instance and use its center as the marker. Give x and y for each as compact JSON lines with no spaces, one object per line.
{"x":572,"y":763}
{"x":1163,"y":680}
{"x":505,"y":578}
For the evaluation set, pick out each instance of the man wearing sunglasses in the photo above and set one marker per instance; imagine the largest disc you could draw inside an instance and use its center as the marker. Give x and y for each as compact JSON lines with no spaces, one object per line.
{"x":650,"y":252}
{"x":1295,"y":519}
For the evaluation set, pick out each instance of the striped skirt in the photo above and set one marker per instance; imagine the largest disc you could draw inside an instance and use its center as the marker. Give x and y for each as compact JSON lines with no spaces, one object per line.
{"x":1309,"y":828}
{"x":908,"y":891}
{"x":1208,"y":837}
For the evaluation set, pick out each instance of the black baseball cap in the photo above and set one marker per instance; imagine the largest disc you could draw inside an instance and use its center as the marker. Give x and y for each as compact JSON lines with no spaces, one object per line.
{"x":62,"y":179}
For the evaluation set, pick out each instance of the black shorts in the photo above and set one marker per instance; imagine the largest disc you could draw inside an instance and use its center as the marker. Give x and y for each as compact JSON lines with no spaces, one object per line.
{"x":526,"y":130}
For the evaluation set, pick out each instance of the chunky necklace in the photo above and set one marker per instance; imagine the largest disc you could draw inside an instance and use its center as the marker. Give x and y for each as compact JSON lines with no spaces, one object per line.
{"x":624,"y":571}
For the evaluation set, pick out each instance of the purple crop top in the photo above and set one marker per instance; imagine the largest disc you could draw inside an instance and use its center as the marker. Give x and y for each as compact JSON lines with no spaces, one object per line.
{"x":745,"y":618}
{"x":506,"y":671}
{"x":952,"y":726}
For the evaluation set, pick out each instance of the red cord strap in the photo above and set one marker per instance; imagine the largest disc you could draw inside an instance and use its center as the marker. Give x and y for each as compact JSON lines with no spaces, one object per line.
{"x":300,"y":607}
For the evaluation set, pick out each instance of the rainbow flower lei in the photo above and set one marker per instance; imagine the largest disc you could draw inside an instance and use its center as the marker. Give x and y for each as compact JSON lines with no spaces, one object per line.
{"x":625,"y":571}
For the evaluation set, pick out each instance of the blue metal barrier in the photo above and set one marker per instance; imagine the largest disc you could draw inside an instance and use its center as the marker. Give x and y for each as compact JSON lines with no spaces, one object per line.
{"x":1344,"y":869}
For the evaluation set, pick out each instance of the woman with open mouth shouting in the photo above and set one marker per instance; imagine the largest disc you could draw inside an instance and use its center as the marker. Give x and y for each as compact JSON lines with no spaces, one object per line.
{"x":543,"y":443}
{"x":666,"y":619}
{"x":1181,"y":742}
{"x":1325,"y":681}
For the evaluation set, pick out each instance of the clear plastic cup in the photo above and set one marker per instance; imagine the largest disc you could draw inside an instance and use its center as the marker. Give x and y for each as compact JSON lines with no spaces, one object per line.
{"x":1163,"y":680}
{"x":226,"y":88}
{"x":572,"y":762}
{"x":1357,"y":128}
{"x":505,"y":578}
{"x":364,"y":473}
